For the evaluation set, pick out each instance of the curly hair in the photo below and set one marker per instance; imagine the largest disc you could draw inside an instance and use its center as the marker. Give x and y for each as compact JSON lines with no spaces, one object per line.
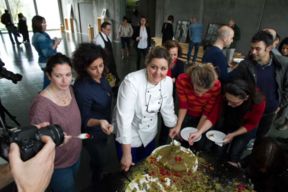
{"x":283,"y":42}
{"x":85,"y":55}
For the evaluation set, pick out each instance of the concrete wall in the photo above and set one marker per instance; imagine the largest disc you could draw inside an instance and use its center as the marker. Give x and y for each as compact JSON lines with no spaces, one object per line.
{"x":249,"y":15}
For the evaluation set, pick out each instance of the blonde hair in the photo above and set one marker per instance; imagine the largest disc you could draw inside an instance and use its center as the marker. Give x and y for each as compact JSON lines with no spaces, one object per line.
{"x":202,"y":75}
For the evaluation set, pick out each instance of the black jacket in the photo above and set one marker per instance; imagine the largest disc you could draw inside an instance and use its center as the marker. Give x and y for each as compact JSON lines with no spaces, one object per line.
{"x":137,"y":34}
{"x":167,"y":32}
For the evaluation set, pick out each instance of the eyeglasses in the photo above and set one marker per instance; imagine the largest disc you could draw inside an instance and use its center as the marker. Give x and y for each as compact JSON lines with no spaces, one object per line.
{"x":155,"y":105}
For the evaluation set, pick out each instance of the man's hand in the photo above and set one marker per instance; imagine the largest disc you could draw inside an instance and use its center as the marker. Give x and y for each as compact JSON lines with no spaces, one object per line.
{"x":34,"y":174}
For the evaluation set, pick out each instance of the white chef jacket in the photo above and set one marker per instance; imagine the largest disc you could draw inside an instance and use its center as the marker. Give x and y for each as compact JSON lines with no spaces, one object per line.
{"x":138,"y":103}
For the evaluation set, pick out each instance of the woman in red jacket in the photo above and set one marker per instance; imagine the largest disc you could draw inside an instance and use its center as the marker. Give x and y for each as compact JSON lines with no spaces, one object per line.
{"x":239,"y":112}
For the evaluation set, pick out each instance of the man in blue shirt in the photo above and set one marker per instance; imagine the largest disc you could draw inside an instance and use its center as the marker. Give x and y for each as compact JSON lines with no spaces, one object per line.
{"x":214,"y":53}
{"x":195,"y":31}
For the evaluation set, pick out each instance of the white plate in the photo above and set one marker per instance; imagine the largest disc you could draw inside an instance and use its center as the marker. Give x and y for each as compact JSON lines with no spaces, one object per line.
{"x":185,"y":132}
{"x":216,"y":136}
{"x":237,"y":60}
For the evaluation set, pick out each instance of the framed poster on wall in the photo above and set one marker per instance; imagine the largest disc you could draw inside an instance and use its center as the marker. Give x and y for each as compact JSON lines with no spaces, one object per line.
{"x":181,"y":31}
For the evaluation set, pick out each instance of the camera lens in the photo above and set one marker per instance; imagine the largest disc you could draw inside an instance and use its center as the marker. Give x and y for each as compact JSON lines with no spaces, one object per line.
{"x":55,"y":132}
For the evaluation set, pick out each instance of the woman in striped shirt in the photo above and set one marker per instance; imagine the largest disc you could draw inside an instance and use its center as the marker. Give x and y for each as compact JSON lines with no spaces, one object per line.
{"x":197,"y":90}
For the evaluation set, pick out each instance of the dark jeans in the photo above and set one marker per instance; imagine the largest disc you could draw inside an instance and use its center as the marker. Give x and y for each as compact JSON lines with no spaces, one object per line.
{"x":140,"y":53}
{"x":265,"y":125}
{"x":138,"y":153}
{"x":233,"y":151}
{"x":97,"y":149}
{"x":46,"y":80}
{"x":125,"y":42}
{"x":190,"y":48}
{"x":64,"y":179}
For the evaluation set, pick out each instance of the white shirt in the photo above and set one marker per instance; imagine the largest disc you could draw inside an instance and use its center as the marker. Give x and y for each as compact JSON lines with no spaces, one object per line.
{"x":143,"y":41}
{"x":99,"y":41}
{"x":138,"y":102}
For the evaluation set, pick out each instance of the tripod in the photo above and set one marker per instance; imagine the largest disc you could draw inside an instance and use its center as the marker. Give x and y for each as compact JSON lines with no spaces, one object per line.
{"x":4,"y":111}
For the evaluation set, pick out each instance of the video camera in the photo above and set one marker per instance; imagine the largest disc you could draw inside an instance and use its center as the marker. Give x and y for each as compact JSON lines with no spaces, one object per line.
{"x":8,"y":74}
{"x":28,"y":139}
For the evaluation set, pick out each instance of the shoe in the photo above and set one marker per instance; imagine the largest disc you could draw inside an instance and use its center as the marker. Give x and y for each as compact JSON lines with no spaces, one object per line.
{"x":234,"y":164}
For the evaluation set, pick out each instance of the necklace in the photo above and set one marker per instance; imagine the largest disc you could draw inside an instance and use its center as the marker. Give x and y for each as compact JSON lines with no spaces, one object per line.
{"x":62,"y":98}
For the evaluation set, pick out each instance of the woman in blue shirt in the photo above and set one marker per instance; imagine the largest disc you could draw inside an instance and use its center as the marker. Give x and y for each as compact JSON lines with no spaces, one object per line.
{"x":44,"y":45}
{"x":94,"y":97}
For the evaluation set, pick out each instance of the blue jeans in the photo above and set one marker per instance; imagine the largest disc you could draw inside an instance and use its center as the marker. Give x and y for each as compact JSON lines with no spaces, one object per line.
{"x":138,"y":153}
{"x":46,"y":81}
{"x":191,"y":45}
{"x":63,"y":179}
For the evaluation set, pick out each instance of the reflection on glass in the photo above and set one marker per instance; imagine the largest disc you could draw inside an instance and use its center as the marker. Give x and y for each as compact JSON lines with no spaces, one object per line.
{"x":26,"y":7}
{"x":2,"y":8}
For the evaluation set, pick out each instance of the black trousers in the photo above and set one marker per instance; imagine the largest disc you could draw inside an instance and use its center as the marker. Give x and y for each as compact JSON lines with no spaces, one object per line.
{"x":233,"y":151}
{"x":265,"y":125}
{"x":140,"y":53}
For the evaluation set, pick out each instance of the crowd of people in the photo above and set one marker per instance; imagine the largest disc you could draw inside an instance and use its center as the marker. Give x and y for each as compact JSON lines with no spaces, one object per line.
{"x":244,"y":102}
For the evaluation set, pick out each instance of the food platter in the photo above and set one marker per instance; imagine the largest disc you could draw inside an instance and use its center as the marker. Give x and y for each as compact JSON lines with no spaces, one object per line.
{"x":156,"y":173}
{"x":237,"y":60}
{"x":147,"y":183}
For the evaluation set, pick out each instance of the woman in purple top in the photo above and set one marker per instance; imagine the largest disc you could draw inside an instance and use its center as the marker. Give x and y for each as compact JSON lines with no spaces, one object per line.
{"x":56,"y":104}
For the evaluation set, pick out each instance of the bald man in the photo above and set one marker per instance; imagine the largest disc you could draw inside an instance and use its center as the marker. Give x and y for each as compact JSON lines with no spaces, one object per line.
{"x":214,"y":53}
{"x":229,"y":51}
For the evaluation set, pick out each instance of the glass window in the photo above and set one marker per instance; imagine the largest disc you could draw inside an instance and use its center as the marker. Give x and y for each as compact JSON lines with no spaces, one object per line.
{"x":50,"y":11}
{"x":26,"y":7}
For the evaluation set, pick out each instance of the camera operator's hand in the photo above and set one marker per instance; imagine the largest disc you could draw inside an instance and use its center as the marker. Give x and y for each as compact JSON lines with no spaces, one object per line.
{"x":41,"y":125}
{"x":34,"y":174}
